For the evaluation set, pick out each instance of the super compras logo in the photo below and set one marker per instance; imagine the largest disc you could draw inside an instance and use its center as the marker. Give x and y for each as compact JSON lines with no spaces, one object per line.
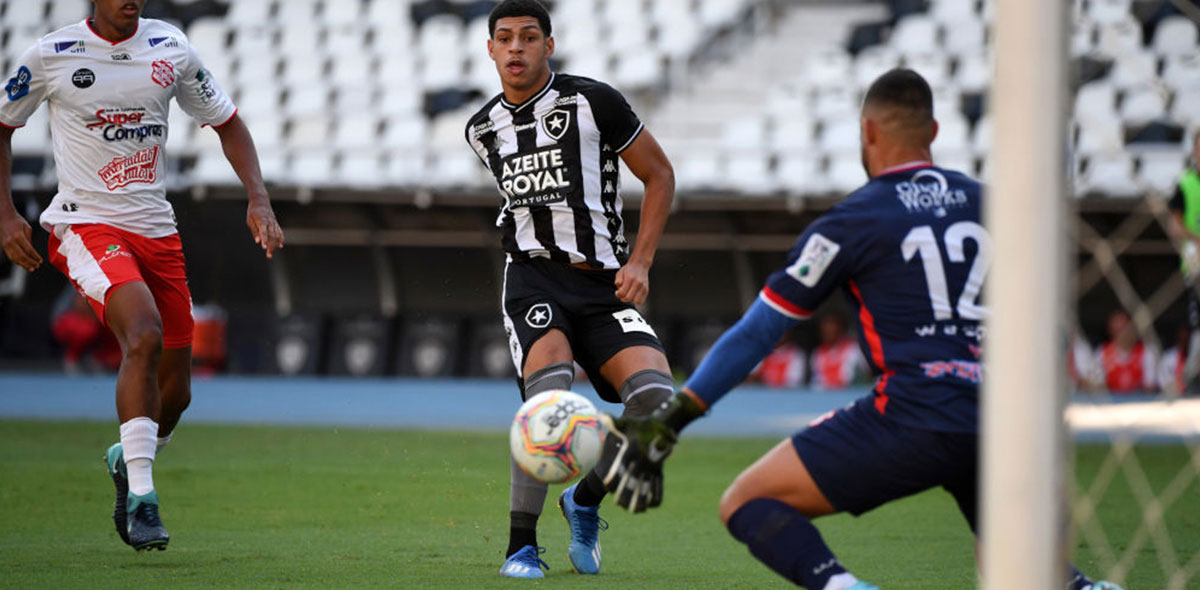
{"x":141,"y":166}
{"x":534,"y":179}
{"x":124,"y":124}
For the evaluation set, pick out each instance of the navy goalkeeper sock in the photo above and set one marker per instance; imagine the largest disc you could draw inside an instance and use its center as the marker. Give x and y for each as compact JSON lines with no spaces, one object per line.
{"x":1077,"y":581}
{"x":783,"y":539}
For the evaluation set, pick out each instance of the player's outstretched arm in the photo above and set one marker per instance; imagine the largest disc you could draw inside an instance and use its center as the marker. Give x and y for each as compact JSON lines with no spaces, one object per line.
{"x":633,"y":469}
{"x":647,"y":161}
{"x":15,"y":233}
{"x":260,"y":218}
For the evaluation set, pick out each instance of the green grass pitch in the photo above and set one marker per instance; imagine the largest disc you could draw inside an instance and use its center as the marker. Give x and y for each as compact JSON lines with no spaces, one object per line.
{"x":268,"y":507}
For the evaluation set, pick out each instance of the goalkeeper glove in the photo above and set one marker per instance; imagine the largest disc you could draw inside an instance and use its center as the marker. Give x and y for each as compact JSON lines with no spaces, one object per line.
{"x":632,"y":468}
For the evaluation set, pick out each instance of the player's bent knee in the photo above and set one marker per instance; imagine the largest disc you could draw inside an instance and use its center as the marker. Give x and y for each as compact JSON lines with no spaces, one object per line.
{"x":735,"y":497}
{"x":144,"y":340}
{"x":645,"y":391}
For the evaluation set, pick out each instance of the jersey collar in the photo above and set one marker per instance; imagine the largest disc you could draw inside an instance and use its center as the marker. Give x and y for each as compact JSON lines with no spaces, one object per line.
{"x":907,"y":166}
{"x":530,"y":100}
{"x":88,"y":23}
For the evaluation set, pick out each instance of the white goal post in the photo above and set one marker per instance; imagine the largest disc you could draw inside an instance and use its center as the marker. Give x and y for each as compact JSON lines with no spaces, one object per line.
{"x":1023,"y":524}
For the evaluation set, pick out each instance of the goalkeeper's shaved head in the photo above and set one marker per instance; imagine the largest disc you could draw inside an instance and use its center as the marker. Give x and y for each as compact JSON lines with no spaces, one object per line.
{"x":897,"y":116}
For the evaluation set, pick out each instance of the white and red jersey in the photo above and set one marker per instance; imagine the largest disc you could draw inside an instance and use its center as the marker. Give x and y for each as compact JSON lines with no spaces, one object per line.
{"x":1127,"y":371}
{"x":108,"y":117}
{"x":835,"y":365}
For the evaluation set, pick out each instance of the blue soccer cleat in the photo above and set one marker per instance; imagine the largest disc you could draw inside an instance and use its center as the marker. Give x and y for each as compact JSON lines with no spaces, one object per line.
{"x":861,"y":585}
{"x":586,"y":525}
{"x":525,"y":563}
{"x":1103,"y":585}
{"x":114,"y":459}
{"x":145,"y":528}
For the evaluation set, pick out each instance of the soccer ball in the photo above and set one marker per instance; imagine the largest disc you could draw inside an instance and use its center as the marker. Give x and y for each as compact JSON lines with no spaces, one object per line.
{"x":556,"y":436}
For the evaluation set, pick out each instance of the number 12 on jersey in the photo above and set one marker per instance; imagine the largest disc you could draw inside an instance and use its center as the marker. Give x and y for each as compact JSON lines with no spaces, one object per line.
{"x":921,"y":239}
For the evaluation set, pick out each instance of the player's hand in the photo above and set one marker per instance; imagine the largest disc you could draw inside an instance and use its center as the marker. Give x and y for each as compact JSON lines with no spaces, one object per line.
{"x":633,"y":283}
{"x":632,"y":468}
{"x":260,"y":218}
{"x":17,"y":237}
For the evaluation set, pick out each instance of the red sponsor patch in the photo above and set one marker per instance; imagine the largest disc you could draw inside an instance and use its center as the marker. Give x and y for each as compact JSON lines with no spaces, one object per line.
{"x":142,"y":166}
{"x":162,"y":72}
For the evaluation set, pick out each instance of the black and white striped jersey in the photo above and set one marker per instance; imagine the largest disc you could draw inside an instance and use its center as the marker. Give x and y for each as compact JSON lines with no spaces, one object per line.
{"x":554,"y":157}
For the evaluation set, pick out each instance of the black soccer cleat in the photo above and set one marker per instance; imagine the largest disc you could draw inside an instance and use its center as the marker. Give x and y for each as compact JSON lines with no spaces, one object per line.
{"x":145,"y":528}
{"x":114,"y":459}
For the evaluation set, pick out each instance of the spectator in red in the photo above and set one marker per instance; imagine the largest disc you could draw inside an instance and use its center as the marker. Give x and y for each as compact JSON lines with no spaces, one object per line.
{"x":837,"y":361}
{"x":784,"y":367}
{"x":1127,"y":364}
{"x":83,"y":338}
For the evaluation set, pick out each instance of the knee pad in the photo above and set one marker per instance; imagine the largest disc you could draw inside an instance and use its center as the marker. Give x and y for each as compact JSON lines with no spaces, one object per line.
{"x":549,"y":377}
{"x":644,"y":391}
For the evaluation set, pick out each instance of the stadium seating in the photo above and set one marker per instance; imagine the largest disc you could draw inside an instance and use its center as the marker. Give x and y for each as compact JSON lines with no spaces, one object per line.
{"x":340,"y":85}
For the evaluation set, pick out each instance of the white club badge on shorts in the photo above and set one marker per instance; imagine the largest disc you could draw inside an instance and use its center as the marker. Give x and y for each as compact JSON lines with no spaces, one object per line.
{"x":539,"y":315}
{"x":819,"y":251}
{"x":632,"y":321}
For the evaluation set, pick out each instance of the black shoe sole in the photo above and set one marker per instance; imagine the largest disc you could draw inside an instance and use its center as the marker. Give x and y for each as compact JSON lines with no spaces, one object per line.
{"x":120,"y":517}
{"x":160,"y":544}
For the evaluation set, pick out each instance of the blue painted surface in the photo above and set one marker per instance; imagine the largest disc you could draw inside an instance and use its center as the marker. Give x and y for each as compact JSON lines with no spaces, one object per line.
{"x":458,"y":404}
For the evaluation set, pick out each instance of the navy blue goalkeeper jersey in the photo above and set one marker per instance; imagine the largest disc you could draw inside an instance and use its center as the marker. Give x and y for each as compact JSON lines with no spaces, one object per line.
{"x":911,"y":255}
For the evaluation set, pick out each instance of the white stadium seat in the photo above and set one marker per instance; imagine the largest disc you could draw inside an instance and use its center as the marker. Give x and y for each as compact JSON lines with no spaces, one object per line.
{"x":440,"y":34}
{"x":1142,"y":105}
{"x":267,"y":131}
{"x":244,"y":12}
{"x":1083,"y":39}
{"x":1099,"y":136}
{"x":957,"y":160}
{"x":346,"y":45}
{"x":628,"y":34}
{"x":339,"y":14}
{"x":1108,"y":11}
{"x":1159,"y":169}
{"x":743,"y":133}
{"x":699,"y":170}
{"x":25,"y":15}
{"x":915,"y":33}
{"x":594,"y":64}
{"x":311,"y":168}
{"x":303,"y":72}
{"x":361,"y":169}
{"x":208,"y":35}
{"x":395,"y":101}
{"x":454,"y":168}
{"x":66,"y":12}
{"x":669,"y":12}
{"x":953,"y":13}
{"x":800,"y":173}
{"x":974,"y":72}
{"x":934,"y":67}
{"x":791,"y":135}
{"x":981,"y":135}
{"x":356,"y":132}
{"x":256,"y":70}
{"x":717,"y":13}
{"x":1110,"y":174}
{"x":387,"y":13}
{"x":273,"y":164}
{"x":642,"y":68}
{"x":405,"y":168}
{"x":406,"y":133}
{"x":748,"y":171}
{"x":1133,"y":69}
{"x":308,"y":133}
{"x":836,"y":102}
{"x":213,"y":169}
{"x":826,"y":67}
{"x":840,"y":135}
{"x":1185,"y":108}
{"x":846,"y":172}
{"x":1175,"y":35}
{"x":350,"y":73}
{"x":680,"y":37}
{"x":1095,"y":101}
{"x":351,"y":99}
{"x":954,"y":132}
{"x":872,"y":62}
{"x":311,"y":101}
{"x":1120,"y":37}
{"x":1182,"y":72}
{"x":964,"y":37}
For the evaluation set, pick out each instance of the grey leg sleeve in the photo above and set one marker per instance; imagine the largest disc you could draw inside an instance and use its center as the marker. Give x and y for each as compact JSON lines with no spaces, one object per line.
{"x":645,"y":390}
{"x":526,"y":494}
{"x":552,"y":376}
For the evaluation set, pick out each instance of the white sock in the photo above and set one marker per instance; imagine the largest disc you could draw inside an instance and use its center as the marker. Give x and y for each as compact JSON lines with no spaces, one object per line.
{"x":163,"y":441}
{"x":841,"y":581}
{"x":139,"y":437}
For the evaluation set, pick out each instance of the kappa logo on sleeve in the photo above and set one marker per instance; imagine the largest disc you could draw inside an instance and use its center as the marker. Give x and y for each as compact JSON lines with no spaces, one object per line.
{"x":819,"y":252}
{"x":18,"y":86}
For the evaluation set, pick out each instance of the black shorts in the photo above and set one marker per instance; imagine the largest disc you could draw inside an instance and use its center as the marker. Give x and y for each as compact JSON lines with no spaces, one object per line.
{"x":861,"y":460}
{"x":540,"y":295}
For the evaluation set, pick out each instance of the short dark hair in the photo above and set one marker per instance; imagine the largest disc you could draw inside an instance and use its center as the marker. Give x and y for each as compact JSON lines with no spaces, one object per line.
{"x":511,"y":8}
{"x":903,"y":89}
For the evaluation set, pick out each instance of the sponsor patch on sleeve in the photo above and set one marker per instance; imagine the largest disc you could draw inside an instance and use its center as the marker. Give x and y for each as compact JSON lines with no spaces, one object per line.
{"x":819,"y":252}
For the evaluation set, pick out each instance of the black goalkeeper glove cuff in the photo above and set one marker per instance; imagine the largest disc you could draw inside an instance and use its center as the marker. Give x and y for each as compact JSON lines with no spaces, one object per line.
{"x":678,"y":411}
